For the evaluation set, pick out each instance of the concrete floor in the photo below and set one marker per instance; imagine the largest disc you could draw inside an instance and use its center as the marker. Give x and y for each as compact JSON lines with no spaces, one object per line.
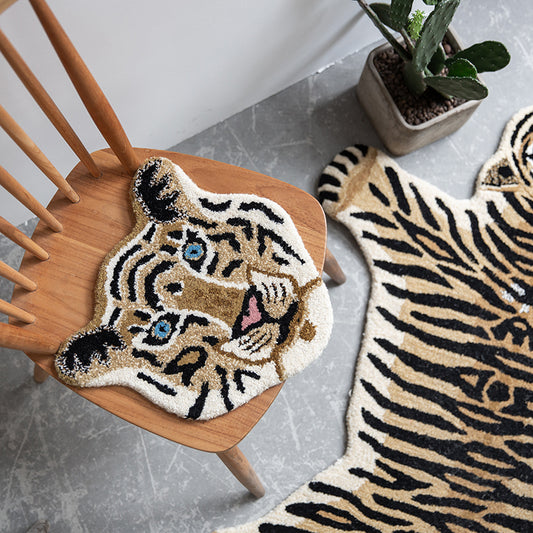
{"x":64,"y":459}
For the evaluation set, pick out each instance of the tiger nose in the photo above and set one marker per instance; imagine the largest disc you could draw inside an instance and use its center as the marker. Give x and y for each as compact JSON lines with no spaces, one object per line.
{"x":220,"y":302}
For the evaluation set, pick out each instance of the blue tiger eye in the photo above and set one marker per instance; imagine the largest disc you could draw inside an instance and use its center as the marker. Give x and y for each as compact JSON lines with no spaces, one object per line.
{"x":162,"y":329}
{"x":194,"y":251}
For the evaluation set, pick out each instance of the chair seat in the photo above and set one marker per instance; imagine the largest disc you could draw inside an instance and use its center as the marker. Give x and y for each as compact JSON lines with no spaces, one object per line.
{"x":64,"y":301}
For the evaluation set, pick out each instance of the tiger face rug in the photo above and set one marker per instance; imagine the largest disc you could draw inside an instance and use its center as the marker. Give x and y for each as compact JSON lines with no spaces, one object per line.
{"x":440,"y":423}
{"x":209,"y":301}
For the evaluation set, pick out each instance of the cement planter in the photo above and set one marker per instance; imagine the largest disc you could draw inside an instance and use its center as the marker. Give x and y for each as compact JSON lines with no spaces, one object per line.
{"x":397,"y":135}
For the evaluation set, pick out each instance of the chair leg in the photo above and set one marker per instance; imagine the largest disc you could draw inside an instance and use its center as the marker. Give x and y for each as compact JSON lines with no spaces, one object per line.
{"x":239,"y":466}
{"x":332,"y":268}
{"x":39,"y":375}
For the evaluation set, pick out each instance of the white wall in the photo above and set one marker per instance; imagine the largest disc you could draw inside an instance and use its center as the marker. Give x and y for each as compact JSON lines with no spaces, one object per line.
{"x":170,"y":68}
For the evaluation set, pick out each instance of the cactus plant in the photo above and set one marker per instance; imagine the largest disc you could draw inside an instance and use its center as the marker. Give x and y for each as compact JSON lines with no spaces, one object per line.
{"x":420,"y":47}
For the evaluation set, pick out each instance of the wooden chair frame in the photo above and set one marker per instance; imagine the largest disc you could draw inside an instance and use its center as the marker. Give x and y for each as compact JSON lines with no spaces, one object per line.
{"x":53,"y":295}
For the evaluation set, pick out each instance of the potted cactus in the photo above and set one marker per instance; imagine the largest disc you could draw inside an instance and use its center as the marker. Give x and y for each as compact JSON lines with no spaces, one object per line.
{"x":434,"y":66}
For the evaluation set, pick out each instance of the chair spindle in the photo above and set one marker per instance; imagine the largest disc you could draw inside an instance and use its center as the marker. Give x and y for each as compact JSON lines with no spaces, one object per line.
{"x":20,"y":339}
{"x":91,"y":94}
{"x":16,"y":312}
{"x":16,"y":277}
{"x":15,"y":235}
{"x":21,"y":138}
{"x":24,"y":197}
{"x":45,"y":102}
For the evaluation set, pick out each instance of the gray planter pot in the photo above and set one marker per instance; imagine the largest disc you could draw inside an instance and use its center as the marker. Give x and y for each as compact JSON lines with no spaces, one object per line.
{"x":397,"y":135}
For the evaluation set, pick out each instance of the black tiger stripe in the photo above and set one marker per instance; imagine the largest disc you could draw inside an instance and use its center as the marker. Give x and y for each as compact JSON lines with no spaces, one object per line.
{"x":159,"y":386}
{"x":513,"y":234}
{"x":409,"y":412}
{"x":486,"y":353}
{"x":279,"y":260}
{"x":213,"y":264}
{"x":451,"y":324}
{"x":412,"y":271}
{"x":351,"y":156}
{"x":328,"y":195}
{"x":232,"y":265}
{"x":246,"y":225}
{"x":117,"y":271}
{"x":393,"y":244}
{"x":187,"y":370}
{"x":518,"y":126}
{"x":481,"y":244}
{"x":440,"y":471}
{"x":224,"y":391}
{"x":146,"y":355}
{"x":379,"y":195}
{"x":433,"y":245}
{"x":460,"y":410}
{"x":427,"y":215}
{"x":217,"y":208}
{"x":114,"y":316}
{"x":324,"y":514}
{"x":149,"y":284}
{"x":202,"y":223}
{"x":363,"y":148}
{"x":509,"y":522}
{"x":455,"y":450}
{"x":441,"y":301}
{"x":237,"y":378}
{"x":258,"y":206}
{"x":150,"y":233}
{"x":397,"y":188}
{"x":196,"y":409}
{"x":132,"y":292}
{"x":455,"y":503}
{"x":341,"y":167}
{"x":454,"y":233}
{"x":375,"y":219}
{"x":263,"y":233}
{"x":400,"y":480}
{"x":440,"y":520}
{"x":229,"y":237}
{"x":328,"y":179}
{"x":476,"y":283}
{"x":513,"y":201}
{"x":332,"y":490}
{"x":513,"y":257}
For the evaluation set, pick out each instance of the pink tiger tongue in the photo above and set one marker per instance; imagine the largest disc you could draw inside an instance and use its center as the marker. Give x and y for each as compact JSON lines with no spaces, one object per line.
{"x":253,"y":315}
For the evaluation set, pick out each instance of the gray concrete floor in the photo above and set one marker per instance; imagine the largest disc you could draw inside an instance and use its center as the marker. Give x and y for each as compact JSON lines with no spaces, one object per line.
{"x":64,"y":459}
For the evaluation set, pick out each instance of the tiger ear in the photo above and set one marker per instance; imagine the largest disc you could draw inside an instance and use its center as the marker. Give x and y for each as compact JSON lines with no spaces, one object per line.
{"x":512,"y":165}
{"x":157,"y":191}
{"x":499,"y":173}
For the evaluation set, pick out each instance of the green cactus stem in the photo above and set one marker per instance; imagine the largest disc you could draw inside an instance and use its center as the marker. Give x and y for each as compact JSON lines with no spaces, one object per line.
{"x":399,"y":13}
{"x":386,"y":33}
{"x":461,"y":68}
{"x":466,"y":88}
{"x":438,"y":61}
{"x":487,"y":56}
{"x":433,"y":32}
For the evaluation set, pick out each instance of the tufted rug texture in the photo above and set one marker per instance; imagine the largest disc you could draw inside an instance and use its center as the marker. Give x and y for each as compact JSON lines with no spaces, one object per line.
{"x":209,"y":301}
{"x":440,"y":423}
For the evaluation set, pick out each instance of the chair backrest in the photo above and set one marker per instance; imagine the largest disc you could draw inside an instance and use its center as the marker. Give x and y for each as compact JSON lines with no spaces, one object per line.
{"x":106,"y":121}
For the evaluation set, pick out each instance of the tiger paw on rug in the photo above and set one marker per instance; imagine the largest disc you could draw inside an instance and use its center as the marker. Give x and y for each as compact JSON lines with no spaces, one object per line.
{"x":208,"y":302}
{"x":440,"y":433}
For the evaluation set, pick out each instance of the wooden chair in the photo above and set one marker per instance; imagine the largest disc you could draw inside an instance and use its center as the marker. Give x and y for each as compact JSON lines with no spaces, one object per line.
{"x":91,"y":211}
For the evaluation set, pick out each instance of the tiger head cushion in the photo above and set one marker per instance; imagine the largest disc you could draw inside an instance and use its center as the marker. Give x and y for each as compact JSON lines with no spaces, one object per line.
{"x":209,"y":301}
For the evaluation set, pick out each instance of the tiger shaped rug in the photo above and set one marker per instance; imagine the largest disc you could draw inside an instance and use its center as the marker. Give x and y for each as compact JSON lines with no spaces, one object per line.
{"x":209,"y":301}
{"x":440,"y":422}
